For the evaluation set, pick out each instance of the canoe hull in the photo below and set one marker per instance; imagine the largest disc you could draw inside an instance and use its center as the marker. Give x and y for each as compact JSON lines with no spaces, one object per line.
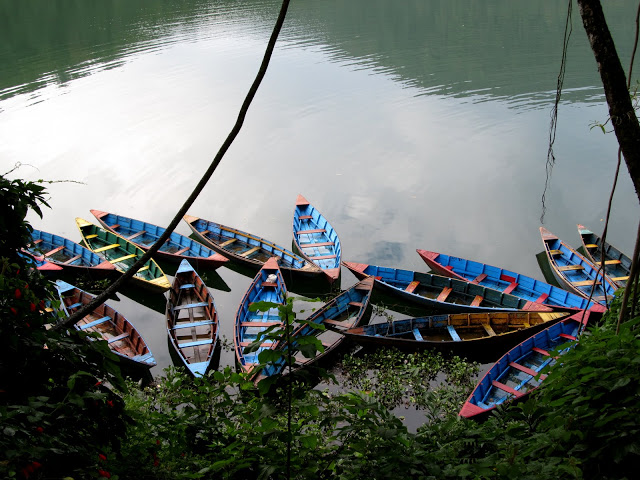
{"x":192,"y":320}
{"x":177,"y":248}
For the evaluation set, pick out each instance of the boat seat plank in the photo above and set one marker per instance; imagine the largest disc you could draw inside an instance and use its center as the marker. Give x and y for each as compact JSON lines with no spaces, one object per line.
{"x":55,"y":250}
{"x":117,"y":225}
{"x":541,"y":351}
{"x":190,"y":305}
{"x":142,"y":269}
{"x":269,"y":284}
{"x":591,"y":245}
{"x":416,"y":334}
{"x":412,"y":286}
{"x":187,"y":286}
{"x":250,"y":251}
{"x":584,"y":283}
{"x":259,"y":324}
{"x":555,"y":252}
{"x":356,"y":304}
{"x":526,"y":370}
{"x":488,"y":329}
{"x":305,"y":217}
{"x":333,"y":322}
{"x":75,"y":305}
{"x":37,"y":241}
{"x":568,"y":337}
{"x":192,"y":324}
{"x":197,"y":343}
{"x":122,"y":336}
{"x":93,"y":235}
{"x":453,"y":333}
{"x":506,"y":388}
{"x":542,"y":298}
{"x":512,"y":286}
{"x":95,"y":322}
{"x":72,"y":259}
{"x":322,"y":257}
{"x":315,"y":230}
{"x":246,"y":344}
{"x":620,"y":279}
{"x":444,"y":294}
{"x":122,"y":259}
{"x":181,"y":251}
{"x":136,"y":235}
{"x":564,"y":268}
{"x":227,"y":242}
{"x":612,"y":262}
{"x":479,"y":278}
{"x":477,"y":301}
{"x":319,"y":244}
{"x":107,"y":247}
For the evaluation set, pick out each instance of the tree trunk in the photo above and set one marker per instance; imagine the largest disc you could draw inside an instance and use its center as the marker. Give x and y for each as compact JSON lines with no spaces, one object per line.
{"x":621,"y":112}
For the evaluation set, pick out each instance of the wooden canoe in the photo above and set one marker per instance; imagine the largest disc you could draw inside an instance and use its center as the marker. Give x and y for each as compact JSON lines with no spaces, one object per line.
{"x":617,"y":266}
{"x":192,"y":320}
{"x":177,"y":247}
{"x":477,"y":336}
{"x":123,"y":339}
{"x":267,"y":286}
{"x":516,"y":373}
{"x":58,"y":253}
{"x":574,"y":272}
{"x":441,"y":293}
{"x":122,"y":254}
{"x":504,"y":280}
{"x":343,"y":312}
{"x":316,"y":239}
{"x":247,"y":249}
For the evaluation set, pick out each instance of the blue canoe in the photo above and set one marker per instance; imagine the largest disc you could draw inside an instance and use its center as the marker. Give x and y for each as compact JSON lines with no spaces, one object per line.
{"x":192,"y":320}
{"x":316,"y":239}
{"x":177,"y":248}
{"x":441,"y":293}
{"x":617,"y":266}
{"x":123,"y":339}
{"x":574,"y":272}
{"x":54,"y":253}
{"x":267,"y":286}
{"x":517,"y":372}
{"x":338,"y":315}
{"x":503,"y":280}
{"x":247,"y":249}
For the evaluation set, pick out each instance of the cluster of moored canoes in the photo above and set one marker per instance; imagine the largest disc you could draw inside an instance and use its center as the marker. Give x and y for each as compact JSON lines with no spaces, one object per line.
{"x":486,"y":310}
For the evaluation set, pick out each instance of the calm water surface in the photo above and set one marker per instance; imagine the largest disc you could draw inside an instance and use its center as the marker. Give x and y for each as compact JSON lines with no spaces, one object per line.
{"x":408,"y":124}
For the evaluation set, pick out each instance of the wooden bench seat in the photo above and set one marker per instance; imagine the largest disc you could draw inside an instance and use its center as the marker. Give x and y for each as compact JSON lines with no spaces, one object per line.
{"x":488,"y":329}
{"x":453,"y":333}
{"x":54,"y":251}
{"x":72,"y":259}
{"x":620,"y":279}
{"x":477,"y":301}
{"x":122,"y":336}
{"x":316,"y":230}
{"x":228,"y":242}
{"x":250,"y":251}
{"x":479,"y":278}
{"x":584,"y":283}
{"x":565,"y":268}
{"x":305,"y":217}
{"x":444,"y":294}
{"x":526,"y":370}
{"x":319,"y":244}
{"x":136,"y":235}
{"x":612,"y":262}
{"x":412,"y":286}
{"x":511,"y":287}
{"x":181,"y":251}
{"x":555,"y":252}
{"x":122,"y":259}
{"x":506,"y":388}
{"x":107,"y":247}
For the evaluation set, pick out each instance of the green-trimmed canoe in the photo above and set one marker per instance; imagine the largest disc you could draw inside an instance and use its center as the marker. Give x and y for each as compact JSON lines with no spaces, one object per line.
{"x":122,"y":254}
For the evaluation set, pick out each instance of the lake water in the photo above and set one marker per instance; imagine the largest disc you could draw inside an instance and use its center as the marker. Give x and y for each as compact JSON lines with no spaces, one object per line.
{"x":415,"y":124}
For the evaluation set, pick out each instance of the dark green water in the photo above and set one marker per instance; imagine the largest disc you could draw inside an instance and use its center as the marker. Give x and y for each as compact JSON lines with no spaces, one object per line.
{"x":408,"y":124}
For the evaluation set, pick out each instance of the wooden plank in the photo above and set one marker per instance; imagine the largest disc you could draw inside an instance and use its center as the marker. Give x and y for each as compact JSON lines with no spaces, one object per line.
{"x":259,"y":324}
{"x":477,"y":301}
{"x":197,"y":343}
{"x":122,"y":259}
{"x":192,"y":324}
{"x":584,"y":283}
{"x":107,"y":247}
{"x":305,"y":217}
{"x":541,"y":351}
{"x":181,"y":251}
{"x":95,"y":322}
{"x":506,"y":388}
{"x":444,"y":294}
{"x":412,"y":286}
{"x":250,"y":251}
{"x":356,"y":304}
{"x":93,"y":235}
{"x":72,"y":259}
{"x":512,"y":286}
{"x":191,"y":305}
{"x":568,"y":337}
{"x":453,"y":333}
{"x":246,"y":344}
{"x":555,"y":252}
{"x":416,"y":334}
{"x":620,"y":279}
{"x":591,"y":245}
{"x":564,"y":268}
{"x":479,"y":278}
{"x":489,"y":330}
{"x":542,"y":298}
{"x":612,"y":262}
{"x":55,"y":250}
{"x":319,"y":244}
{"x":317,"y":230}
{"x":322,"y":257}
{"x":228,"y":242}
{"x":136,"y":235}
{"x":269,"y":284}
{"x":119,"y":337}
{"x":526,"y":370}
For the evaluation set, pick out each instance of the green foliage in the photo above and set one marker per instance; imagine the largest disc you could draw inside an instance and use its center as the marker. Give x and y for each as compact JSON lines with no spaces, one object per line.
{"x":56,"y":412}
{"x":426,"y":379}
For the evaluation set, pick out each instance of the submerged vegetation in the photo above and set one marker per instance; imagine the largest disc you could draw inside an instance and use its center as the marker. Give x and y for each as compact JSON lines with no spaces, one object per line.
{"x":65,"y":410}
